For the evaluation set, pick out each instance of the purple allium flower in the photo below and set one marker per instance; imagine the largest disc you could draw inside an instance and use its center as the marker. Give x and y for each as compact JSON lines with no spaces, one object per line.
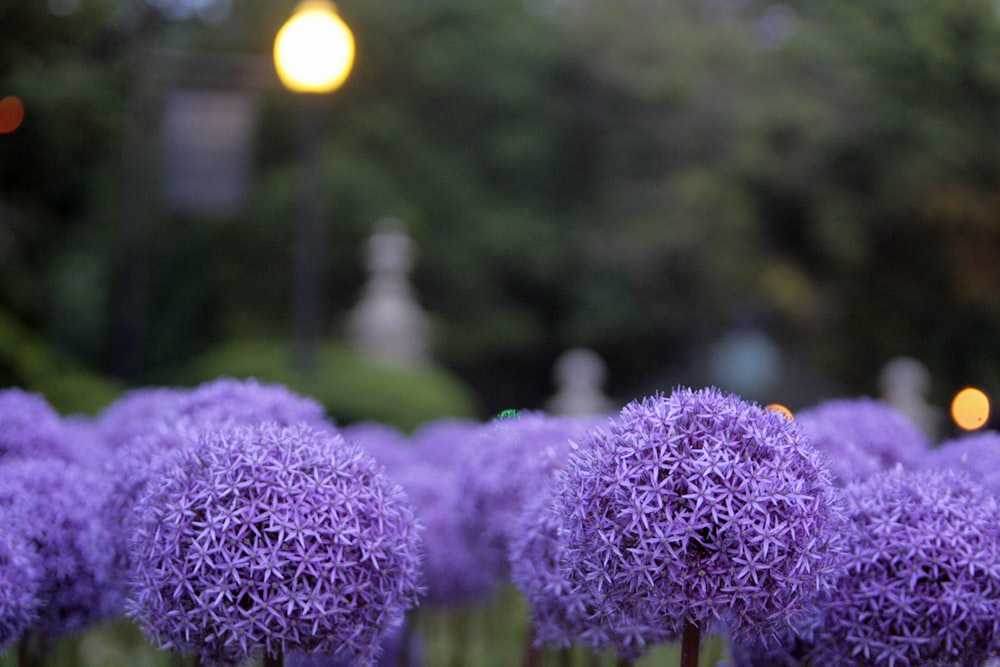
{"x":508,"y":462}
{"x":695,"y":508}
{"x":249,"y":401}
{"x":977,"y":454}
{"x":57,"y":506}
{"x":84,"y":442}
{"x":441,"y":442}
{"x":152,"y":425}
{"x":31,"y":428}
{"x":270,"y":539}
{"x":383,"y":443}
{"x":922,"y":585}
{"x":392,"y":654}
{"x":452,"y":572}
{"x":863,"y":436}
{"x":134,"y":411}
{"x":20,"y":582}
{"x":561,"y":613}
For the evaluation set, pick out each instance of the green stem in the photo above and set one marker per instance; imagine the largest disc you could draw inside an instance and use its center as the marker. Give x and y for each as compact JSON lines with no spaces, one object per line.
{"x":411,"y":632}
{"x":690,"y":645}
{"x":459,"y":637}
{"x":31,"y":650}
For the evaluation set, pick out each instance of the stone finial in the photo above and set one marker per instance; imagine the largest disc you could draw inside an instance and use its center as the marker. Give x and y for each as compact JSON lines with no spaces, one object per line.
{"x":905,"y":383}
{"x":387,"y":323}
{"x":579,"y":374}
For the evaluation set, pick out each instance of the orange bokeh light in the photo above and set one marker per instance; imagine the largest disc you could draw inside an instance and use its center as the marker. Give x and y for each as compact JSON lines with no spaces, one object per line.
{"x":970,"y":409}
{"x":11,"y":114}
{"x":778,"y":407}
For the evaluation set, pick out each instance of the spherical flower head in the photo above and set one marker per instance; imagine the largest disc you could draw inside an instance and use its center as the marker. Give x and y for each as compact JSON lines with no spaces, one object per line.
{"x":863,"y":436}
{"x":248,"y":401}
{"x":561,"y":613}
{"x":268,"y":538}
{"x":384,"y":443}
{"x":922,"y":585}
{"x":696,"y":508}
{"x":20,"y":582}
{"x":453,"y":573}
{"x":83,"y":442}
{"x":442,"y":441}
{"x":134,"y":411}
{"x":507,"y":463}
{"x":28,"y":424}
{"x":57,"y":507}
{"x":976,"y":454}
{"x":127,"y":473}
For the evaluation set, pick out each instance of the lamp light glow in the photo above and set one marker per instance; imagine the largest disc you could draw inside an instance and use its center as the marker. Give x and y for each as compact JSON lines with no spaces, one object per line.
{"x":778,"y":407}
{"x":314,"y":50}
{"x":970,"y":409}
{"x":11,"y":114}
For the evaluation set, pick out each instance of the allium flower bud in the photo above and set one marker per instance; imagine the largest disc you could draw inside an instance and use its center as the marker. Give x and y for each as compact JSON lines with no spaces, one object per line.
{"x":696,"y":508}
{"x":922,"y":585}
{"x":270,"y":539}
{"x":862,"y":437}
{"x":20,"y":581}
{"x":57,"y":506}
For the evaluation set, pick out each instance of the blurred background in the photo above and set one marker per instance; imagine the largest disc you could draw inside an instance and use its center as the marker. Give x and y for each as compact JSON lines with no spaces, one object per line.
{"x":776,"y":197}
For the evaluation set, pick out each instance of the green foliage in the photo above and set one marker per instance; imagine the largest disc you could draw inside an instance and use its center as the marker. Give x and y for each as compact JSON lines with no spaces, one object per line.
{"x":635,"y":177}
{"x":28,"y":362}
{"x":351,"y":387}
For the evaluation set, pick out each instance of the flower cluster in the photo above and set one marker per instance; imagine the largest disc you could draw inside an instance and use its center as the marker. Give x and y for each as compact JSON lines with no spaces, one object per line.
{"x":505,"y":465}
{"x":134,"y":411}
{"x":57,"y":507}
{"x":863,"y":436}
{"x":30,"y":427}
{"x":922,"y":585}
{"x":150,"y":426}
{"x":248,"y":401}
{"x":695,"y":508}
{"x":561,"y":613}
{"x":20,"y":582}
{"x":977,"y":454}
{"x":270,"y":539}
{"x":453,"y":572}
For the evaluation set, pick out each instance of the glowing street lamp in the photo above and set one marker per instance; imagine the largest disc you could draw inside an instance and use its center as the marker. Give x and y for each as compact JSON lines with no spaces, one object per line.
{"x":314,"y":50}
{"x":970,"y":408}
{"x":313,"y":54}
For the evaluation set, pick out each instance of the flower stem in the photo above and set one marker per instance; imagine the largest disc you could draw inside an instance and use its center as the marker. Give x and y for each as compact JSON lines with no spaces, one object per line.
{"x":530,"y":652}
{"x":690,"y":644}
{"x":274,"y":660}
{"x":31,"y":649}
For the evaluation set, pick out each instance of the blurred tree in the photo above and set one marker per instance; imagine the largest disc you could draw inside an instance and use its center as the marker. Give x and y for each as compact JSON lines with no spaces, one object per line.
{"x":635,"y":177}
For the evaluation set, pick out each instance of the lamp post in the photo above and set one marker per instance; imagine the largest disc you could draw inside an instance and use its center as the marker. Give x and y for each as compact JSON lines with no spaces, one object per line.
{"x":313,"y":54}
